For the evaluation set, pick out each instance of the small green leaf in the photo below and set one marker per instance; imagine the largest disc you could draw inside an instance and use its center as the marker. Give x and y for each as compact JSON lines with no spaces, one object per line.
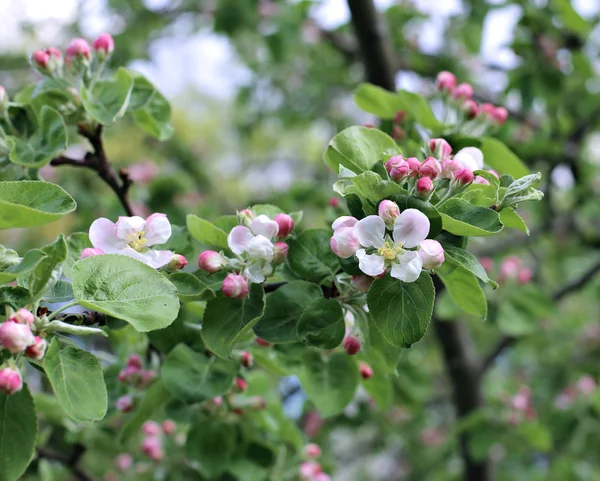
{"x":512,"y":220}
{"x":310,"y":256}
{"x":322,"y":324}
{"x":189,"y":287}
{"x":211,"y":442}
{"x":226,"y":320}
{"x":460,"y":257}
{"x":23,"y":266}
{"x":371,"y":186}
{"x":358,"y":149}
{"x":49,"y":269}
{"x":14,"y":296}
{"x":464,"y":289}
{"x":192,"y":377}
{"x":377,"y":101}
{"x":76,"y":243}
{"x":400,"y":310}
{"x":77,"y":380}
{"x":500,"y":158}
{"x":284,"y":309}
{"x":8,"y":259}
{"x":206,"y":233}
{"x":149,"y":108}
{"x":60,"y":291}
{"x":127,"y":289}
{"x":107,"y":99}
{"x":461,"y":218}
{"x":416,"y":106}
{"x":31,"y":203}
{"x":18,"y":430}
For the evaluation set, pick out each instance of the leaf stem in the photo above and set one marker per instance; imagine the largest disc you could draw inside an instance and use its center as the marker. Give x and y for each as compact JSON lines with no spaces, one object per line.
{"x":62,"y":308}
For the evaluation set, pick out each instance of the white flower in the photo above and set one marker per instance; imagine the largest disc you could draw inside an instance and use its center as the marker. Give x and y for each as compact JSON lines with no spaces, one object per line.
{"x":264,"y":226}
{"x":410,"y":229}
{"x":470,"y":158}
{"x":133,"y":237}
{"x":255,"y":242}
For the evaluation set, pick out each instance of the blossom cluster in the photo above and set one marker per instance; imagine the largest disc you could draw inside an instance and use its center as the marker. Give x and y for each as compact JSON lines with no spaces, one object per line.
{"x":259,"y":246}
{"x":18,"y":338}
{"x":311,"y":469}
{"x":135,"y":378}
{"x":511,"y":269}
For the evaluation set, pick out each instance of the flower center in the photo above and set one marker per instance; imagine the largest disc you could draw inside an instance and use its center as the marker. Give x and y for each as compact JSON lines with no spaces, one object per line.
{"x":389,"y":251}
{"x":137,"y":241}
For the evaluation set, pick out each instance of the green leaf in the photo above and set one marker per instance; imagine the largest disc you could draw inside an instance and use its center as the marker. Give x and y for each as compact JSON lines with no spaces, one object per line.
{"x":206,"y":233}
{"x":570,"y":18}
{"x":189,"y":287}
{"x":193,"y":377}
{"x":60,"y":291}
{"x":410,"y":202}
{"x":18,"y":430}
{"x":14,"y":296}
{"x":416,"y":106}
{"x":461,"y":218}
{"x":77,"y":380}
{"x":460,"y":257}
{"x":107,"y":99}
{"x":538,"y":436}
{"x":154,"y":399}
{"x":226,"y":320}
{"x":310,"y":256}
{"x":372,"y":187}
{"x":322,"y":324}
{"x":127,"y":289}
{"x":380,"y":386}
{"x":377,"y":101}
{"x":500,"y":158}
{"x":151,"y":111}
{"x":76,"y":243}
{"x":400,"y":310}
{"x":49,"y":269}
{"x":329,"y":382}
{"x":211,"y":442}
{"x":48,"y":141}
{"x":31,"y":203}
{"x":512,"y":220}
{"x":358,"y":149}
{"x":522,"y":190}
{"x":284,"y":309}
{"x":464,"y":289}
{"x":142,"y":91}
{"x":8,"y":259}
{"x":23,"y":266}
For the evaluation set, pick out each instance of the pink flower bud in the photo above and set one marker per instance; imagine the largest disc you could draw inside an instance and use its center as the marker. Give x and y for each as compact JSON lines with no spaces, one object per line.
{"x":177,"y":263}
{"x":235,"y":286}
{"x":211,"y":261}
{"x":334,"y":202}
{"x":388,"y":211}
{"x":470,"y":108}
{"x":312,"y":451}
{"x":151,"y":428}
{"x":397,"y":168}
{"x":78,"y":48}
{"x":525,"y":276}
{"x":10,"y":381}
{"x":169,"y":427}
{"x":104,"y":44}
{"x":147,"y":377}
{"x":362,"y":282}
{"x":399,"y":116}
{"x":463,"y":91}
{"x":262,"y":342}
{"x":431,"y":254}
{"x":494,"y":173}
{"x":245,"y":217}
{"x":134,"y":360}
{"x":487,"y":263}
{"x":240,"y":384}
{"x":281,"y":252}
{"x":344,"y":243}
{"x":40,"y":59}
{"x":152,"y":447}
{"x":586,"y":385}
{"x":217,"y":401}
{"x":23,"y":316}
{"x":16,"y":337}
{"x":487,"y":110}
{"x":366,"y":371}
{"x":430,"y":168}
{"x":499,"y":114}
{"x":246,"y":359}
{"x":285,"y":223}
{"x":414,"y":165}
{"x":124,"y":404}
{"x":309,"y":469}
{"x":440,"y":148}
{"x":91,"y":251}
{"x":424,"y":186}
{"x":445,"y":81}
{"x":54,"y":53}
{"x":351,"y":345}
{"x":449,"y":168}
{"x":464,"y":176}
{"x":480,"y":180}
{"x":321,"y":477}
{"x":37,"y":350}
{"x":123,"y":462}
{"x":510,"y":267}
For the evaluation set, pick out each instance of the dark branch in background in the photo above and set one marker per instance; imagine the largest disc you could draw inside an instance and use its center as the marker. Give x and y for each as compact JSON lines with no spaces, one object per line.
{"x":69,"y":461}
{"x":97,"y":161}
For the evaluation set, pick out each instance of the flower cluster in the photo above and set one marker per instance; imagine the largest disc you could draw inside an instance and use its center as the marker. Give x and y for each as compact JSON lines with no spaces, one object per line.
{"x":259,"y":246}
{"x":521,"y":405}
{"x":135,"y":378}
{"x":584,"y":387}
{"x":17,"y":337}
{"x":133,"y":237}
{"x":311,"y":470}
{"x":404,"y":253}
{"x":511,"y":269}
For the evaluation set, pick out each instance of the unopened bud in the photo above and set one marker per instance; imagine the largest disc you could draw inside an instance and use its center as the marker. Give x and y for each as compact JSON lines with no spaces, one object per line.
{"x":10,"y":381}
{"x":39,"y":60}
{"x":334,"y":202}
{"x":487,"y":110}
{"x":90,"y":252}
{"x":124,"y":404}
{"x":470,"y":108}
{"x":351,"y":345}
{"x":177,"y":263}
{"x":397,"y":168}
{"x":134,"y":360}
{"x":169,"y":427}
{"x":525,"y":276}
{"x":431,"y":254}
{"x":78,"y":48}
{"x":487,"y":263}
{"x":151,"y":428}
{"x":285,"y":223}
{"x":246,"y":359}
{"x":37,"y":350}
{"x":235,"y":286}
{"x":240,"y":385}
{"x":312,"y":451}
{"x":152,"y":447}
{"x":430,"y":168}
{"x":366,"y":371}
{"x":362,"y":282}
{"x":245,"y":217}
{"x":464,"y":176}
{"x":104,"y":45}
{"x":388,"y":211}
{"x":310,"y":469}
{"x":123,"y":462}
{"x":424,"y":186}
{"x":23,"y":316}
{"x":414,"y":165}
{"x":500,"y":114}
{"x":445,"y":81}
{"x":15,"y":337}
{"x":211,"y":261}
{"x":463,"y":91}
{"x":262,"y":342}
{"x":280,"y":252}
{"x":440,"y":148}
{"x":449,"y":168}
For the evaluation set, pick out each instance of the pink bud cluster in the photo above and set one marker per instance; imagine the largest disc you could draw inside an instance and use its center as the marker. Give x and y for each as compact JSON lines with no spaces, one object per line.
{"x":512,"y":268}
{"x":133,"y":376}
{"x":462,"y":96}
{"x":522,"y":406}
{"x":584,"y":387}
{"x":312,"y":471}
{"x":152,"y":443}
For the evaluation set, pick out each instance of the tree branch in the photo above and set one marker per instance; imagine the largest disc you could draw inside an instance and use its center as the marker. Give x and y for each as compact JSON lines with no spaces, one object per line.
{"x":69,"y":461}
{"x":98,"y":162}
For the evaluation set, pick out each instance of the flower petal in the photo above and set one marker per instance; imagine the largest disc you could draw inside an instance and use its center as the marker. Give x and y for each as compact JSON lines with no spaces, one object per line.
{"x":470,"y":158}
{"x":370,"y":231}
{"x":408,"y":267}
{"x":103,"y":235}
{"x":128,"y":227}
{"x":254,"y":272}
{"x":239,"y":238}
{"x":129,"y":252}
{"x":260,"y":248}
{"x":344,"y":221}
{"x":156,"y":258}
{"x":370,"y":264}
{"x":262,"y":225}
{"x":411,"y":228}
{"x":157,"y":230}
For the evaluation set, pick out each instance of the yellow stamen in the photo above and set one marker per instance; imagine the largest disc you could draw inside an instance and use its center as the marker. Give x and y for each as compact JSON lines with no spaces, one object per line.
{"x":137,"y":241}
{"x":389,"y":251}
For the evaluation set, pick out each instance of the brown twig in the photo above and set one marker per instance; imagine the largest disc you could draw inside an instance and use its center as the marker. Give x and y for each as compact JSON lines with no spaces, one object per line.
{"x":97,"y":161}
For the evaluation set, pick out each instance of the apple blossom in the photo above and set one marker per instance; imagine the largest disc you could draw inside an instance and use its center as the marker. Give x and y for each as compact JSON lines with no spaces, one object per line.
{"x":177,"y":262}
{"x":151,"y":428}
{"x":351,"y":345}
{"x":440,"y":148}
{"x":211,"y":261}
{"x":510,"y":267}
{"x":152,"y":447}
{"x":321,"y":477}
{"x":262,"y":342}
{"x":245,"y":217}
{"x":312,"y":451}
{"x":124,"y":404}
{"x":480,"y":180}
{"x":309,"y":469}
{"x":90,"y":252}
{"x":397,"y":168}
{"x":343,"y":242}
{"x":15,"y":337}
{"x":23,"y":316}
{"x":388,"y":211}
{"x":463,"y":91}
{"x":499,"y":115}
{"x":486,"y":109}
{"x":449,"y":168}
{"x":361,"y":282}
{"x":143,"y":172}
{"x":10,"y":381}
{"x":235,"y":286}
{"x":424,"y":186}
{"x":586,"y":385}
{"x":366,"y":371}
{"x":470,"y":108}
{"x":285,"y":223}
{"x":246,"y":359}
{"x":168,"y":427}
{"x":240,"y":384}
{"x":464,"y":176}
{"x":470,"y":158}
{"x":104,"y":44}
{"x":487,"y":263}
{"x":445,"y":81}
{"x":133,"y":237}
{"x":430,"y":168}
{"x":334,"y":202}
{"x":37,"y":350}
{"x":123,"y":462}
{"x":525,"y":275}
{"x":281,"y":252}
{"x":431,"y":254}
{"x":40,"y":59}
{"x":78,"y":48}
{"x":414,"y":165}
{"x":134,"y":360}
